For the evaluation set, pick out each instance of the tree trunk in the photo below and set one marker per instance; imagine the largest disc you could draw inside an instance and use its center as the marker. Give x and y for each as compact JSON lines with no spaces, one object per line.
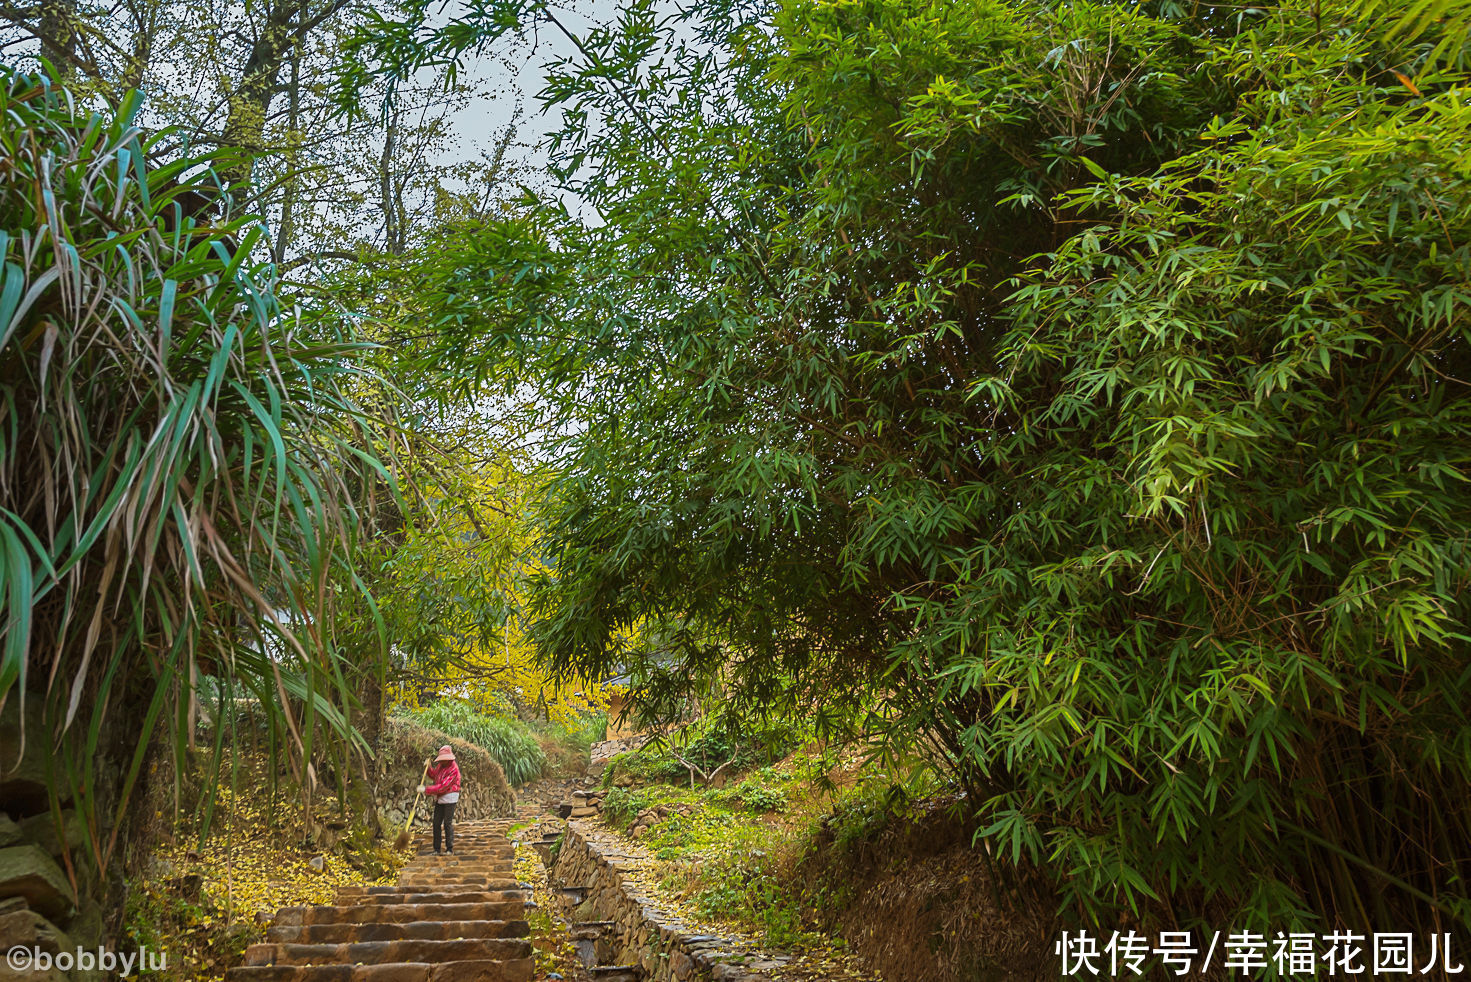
{"x":250,"y":104}
{"x":392,"y":233}
{"x":245,"y":127}
{"x":285,"y":229}
{"x":57,"y":31}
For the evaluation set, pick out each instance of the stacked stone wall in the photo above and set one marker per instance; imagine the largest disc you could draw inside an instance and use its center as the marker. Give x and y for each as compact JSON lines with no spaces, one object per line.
{"x":595,"y":875}
{"x":39,"y":907}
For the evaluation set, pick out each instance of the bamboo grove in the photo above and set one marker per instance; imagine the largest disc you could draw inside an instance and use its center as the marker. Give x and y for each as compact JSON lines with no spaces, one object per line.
{"x":1073,"y":395}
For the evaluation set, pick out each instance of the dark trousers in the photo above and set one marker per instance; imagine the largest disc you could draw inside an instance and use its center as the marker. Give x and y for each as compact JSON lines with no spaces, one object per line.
{"x":444,"y":816}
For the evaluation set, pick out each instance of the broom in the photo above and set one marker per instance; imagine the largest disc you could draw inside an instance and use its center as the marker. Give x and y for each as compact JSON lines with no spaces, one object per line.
{"x":403,"y":840}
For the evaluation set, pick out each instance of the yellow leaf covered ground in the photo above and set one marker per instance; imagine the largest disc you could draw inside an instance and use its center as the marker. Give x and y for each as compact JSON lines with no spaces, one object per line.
{"x":201,"y":903}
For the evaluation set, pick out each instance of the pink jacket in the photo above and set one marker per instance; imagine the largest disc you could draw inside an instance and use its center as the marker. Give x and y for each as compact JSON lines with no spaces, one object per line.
{"x":445,"y":778}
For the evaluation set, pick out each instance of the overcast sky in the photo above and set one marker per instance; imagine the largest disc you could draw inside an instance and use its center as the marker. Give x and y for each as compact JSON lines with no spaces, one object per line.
{"x":513,"y":76}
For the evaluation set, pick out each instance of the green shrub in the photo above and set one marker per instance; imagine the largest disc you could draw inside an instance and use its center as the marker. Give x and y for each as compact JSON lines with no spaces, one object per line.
{"x":754,"y":795}
{"x":182,"y":455}
{"x":749,"y":891}
{"x":621,"y":804}
{"x":579,"y":734}
{"x":865,"y":811}
{"x":739,"y":744}
{"x":763,"y":798}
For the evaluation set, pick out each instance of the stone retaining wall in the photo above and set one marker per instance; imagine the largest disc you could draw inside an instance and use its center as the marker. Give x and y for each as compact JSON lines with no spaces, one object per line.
{"x":602,"y":753}
{"x":38,"y":907}
{"x":662,"y":946}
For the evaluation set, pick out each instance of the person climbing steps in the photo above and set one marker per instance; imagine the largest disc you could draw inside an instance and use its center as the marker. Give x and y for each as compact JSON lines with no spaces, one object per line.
{"x":444,"y":786}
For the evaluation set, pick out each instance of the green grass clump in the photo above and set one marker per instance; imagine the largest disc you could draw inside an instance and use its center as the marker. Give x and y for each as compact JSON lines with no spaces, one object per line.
{"x":580,"y":734}
{"x":757,"y":793}
{"x":621,"y":805}
{"x":753,"y":893}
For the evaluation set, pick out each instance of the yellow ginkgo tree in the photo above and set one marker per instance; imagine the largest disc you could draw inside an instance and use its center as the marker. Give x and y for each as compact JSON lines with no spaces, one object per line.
{"x":450,"y":586}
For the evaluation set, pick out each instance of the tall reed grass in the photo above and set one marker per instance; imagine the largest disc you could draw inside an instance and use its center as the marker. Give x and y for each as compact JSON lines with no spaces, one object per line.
{"x":510,"y":742}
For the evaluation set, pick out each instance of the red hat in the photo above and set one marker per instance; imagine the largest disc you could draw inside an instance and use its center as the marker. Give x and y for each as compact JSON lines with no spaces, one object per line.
{"x":445,"y":753}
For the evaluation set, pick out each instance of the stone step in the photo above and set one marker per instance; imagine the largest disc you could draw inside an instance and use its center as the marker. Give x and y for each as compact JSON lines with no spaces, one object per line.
{"x":517,"y":970}
{"x":487,"y":869}
{"x":435,"y":952}
{"x":492,"y":910}
{"x":457,"y":917}
{"x":614,"y":973}
{"x":402,"y":889}
{"x":437,"y":929}
{"x":416,"y":896}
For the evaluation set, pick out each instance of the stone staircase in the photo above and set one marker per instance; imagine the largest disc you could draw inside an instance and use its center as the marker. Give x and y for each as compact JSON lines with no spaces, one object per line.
{"x":451,"y":918}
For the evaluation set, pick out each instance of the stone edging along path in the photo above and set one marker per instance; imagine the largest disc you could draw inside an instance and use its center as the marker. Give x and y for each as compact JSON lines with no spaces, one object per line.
{"x":608,"y":910}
